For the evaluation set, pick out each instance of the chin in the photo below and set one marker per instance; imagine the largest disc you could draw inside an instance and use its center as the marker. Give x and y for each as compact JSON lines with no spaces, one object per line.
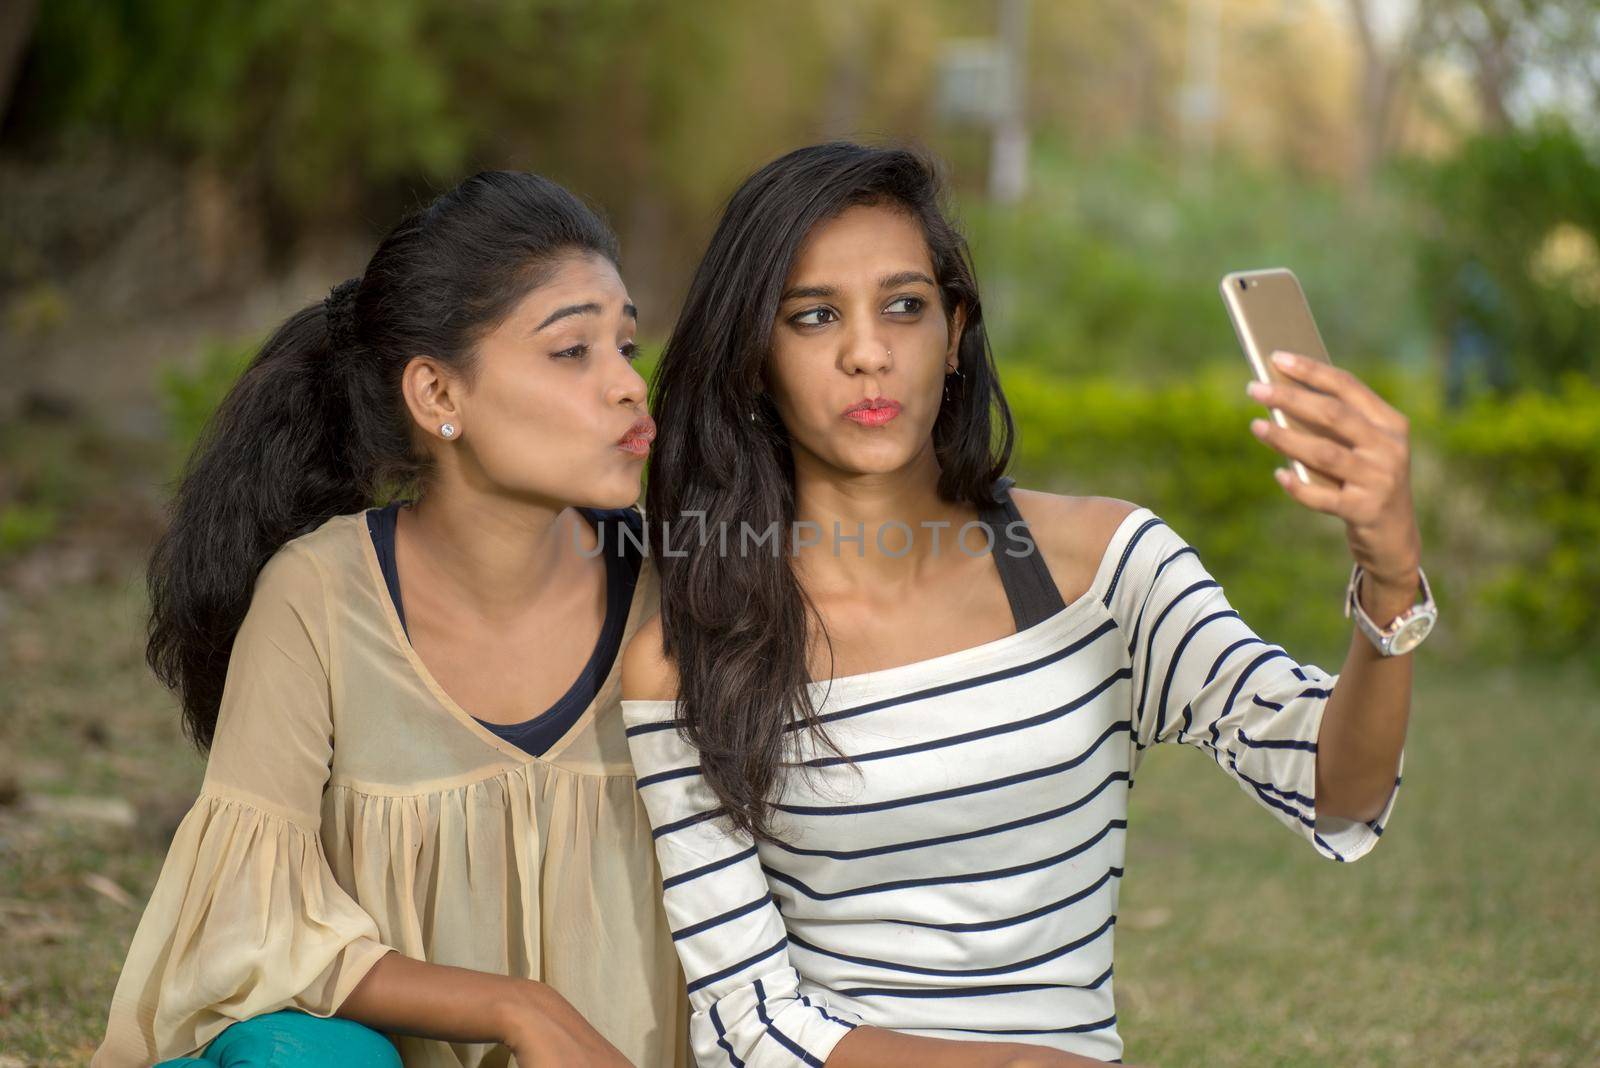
{"x":879,"y":461}
{"x":617,"y":488}
{"x":612,"y":494}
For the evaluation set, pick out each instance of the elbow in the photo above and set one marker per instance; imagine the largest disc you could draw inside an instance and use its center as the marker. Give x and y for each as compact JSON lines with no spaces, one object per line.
{"x":1362,"y":804}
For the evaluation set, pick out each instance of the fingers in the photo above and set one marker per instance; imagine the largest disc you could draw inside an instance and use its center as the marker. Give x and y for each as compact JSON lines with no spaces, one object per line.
{"x":1333,"y":417}
{"x":1318,"y":410}
{"x":1327,"y":499}
{"x":1339,"y":383}
{"x":1370,"y":475}
{"x":1332,"y":458}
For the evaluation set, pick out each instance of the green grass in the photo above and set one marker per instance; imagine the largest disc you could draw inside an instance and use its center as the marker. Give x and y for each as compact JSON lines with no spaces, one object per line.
{"x":79,"y":715}
{"x":1471,"y":935}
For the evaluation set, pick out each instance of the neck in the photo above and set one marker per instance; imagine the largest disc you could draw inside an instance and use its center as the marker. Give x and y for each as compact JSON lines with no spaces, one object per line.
{"x":500,"y":553}
{"x":889,"y":503}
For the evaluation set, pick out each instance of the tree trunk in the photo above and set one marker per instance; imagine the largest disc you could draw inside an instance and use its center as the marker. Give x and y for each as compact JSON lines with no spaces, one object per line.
{"x":16,"y":28}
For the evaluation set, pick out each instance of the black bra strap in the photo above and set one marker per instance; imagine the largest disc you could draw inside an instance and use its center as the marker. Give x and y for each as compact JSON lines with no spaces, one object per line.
{"x":1033,"y":594}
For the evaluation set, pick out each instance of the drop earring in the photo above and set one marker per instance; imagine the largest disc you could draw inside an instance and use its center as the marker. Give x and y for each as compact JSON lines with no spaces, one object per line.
{"x":448,"y":430}
{"x":948,"y":375}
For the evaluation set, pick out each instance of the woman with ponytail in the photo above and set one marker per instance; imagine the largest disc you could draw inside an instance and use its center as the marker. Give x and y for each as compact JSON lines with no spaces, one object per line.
{"x":372,"y":873}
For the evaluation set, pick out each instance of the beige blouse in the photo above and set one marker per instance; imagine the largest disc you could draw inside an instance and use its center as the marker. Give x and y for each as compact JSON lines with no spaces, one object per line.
{"x":351,"y":807}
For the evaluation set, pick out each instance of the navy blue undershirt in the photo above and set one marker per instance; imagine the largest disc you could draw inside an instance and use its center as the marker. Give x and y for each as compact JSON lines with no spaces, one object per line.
{"x":622,"y":557}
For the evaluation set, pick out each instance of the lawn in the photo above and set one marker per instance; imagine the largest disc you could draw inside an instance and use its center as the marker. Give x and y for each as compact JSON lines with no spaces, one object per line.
{"x":1471,"y":935}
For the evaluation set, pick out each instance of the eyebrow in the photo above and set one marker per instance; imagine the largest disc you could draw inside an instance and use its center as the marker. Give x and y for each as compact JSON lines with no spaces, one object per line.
{"x":888,"y":281}
{"x":590,"y":308}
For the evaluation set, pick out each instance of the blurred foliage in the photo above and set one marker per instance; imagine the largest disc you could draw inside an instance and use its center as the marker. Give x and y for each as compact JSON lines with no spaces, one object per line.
{"x":300,"y":94}
{"x":1475,"y":264}
{"x":358,"y":109}
{"x":1508,"y":492}
{"x":63,"y":479}
{"x":190,"y":394}
{"x":1536,"y":457}
{"x":1508,"y":245}
{"x":324,"y":108}
{"x":22,"y":526}
{"x":1182,"y":449}
{"x":1112,"y":267}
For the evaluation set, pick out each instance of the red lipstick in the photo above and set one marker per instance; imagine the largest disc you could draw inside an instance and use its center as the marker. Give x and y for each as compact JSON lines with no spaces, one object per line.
{"x":638,"y":438}
{"x":875,"y":411}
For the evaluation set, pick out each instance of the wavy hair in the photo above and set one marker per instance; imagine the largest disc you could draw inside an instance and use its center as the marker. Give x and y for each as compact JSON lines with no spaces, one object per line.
{"x":737,"y":627}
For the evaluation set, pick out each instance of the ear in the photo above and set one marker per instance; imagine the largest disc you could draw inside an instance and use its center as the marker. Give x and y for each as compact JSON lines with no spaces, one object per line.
{"x":958,"y":323}
{"x":432,"y":393}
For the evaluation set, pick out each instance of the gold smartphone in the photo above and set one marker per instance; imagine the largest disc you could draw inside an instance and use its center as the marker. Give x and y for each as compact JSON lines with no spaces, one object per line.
{"x":1270,"y":314}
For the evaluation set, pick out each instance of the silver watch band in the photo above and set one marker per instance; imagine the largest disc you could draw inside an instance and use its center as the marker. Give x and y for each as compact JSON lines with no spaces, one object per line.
{"x":1403,"y":633}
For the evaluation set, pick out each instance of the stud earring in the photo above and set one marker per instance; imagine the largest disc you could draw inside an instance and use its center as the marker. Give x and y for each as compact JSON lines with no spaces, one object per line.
{"x":448,"y":430}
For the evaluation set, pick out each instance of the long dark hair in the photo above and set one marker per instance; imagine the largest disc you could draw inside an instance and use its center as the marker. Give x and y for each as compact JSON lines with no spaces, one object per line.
{"x":736,"y":625}
{"x":316,"y":426}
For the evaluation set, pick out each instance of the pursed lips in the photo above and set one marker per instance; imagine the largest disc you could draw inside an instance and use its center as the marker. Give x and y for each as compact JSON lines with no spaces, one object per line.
{"x":639,"y":436}
{"x":873,"y":412}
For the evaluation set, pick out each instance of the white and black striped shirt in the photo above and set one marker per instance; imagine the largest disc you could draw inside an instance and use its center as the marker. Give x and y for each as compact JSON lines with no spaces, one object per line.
{"x":961,"y":880}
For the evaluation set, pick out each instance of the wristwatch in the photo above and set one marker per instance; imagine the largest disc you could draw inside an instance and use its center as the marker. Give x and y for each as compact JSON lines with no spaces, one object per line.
{"x":1406,"y":631}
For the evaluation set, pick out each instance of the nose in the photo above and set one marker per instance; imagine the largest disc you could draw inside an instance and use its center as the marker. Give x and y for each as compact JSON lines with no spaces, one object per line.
{"x":628,"y":388}
{"x":865,"y":353}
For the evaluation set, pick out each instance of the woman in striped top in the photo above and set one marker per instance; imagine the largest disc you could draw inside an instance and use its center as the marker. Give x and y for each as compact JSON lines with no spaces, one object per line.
{"x":887,"y":771}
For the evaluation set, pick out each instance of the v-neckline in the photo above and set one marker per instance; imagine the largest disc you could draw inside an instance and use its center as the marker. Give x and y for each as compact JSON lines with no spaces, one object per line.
{"x":402,"y":642}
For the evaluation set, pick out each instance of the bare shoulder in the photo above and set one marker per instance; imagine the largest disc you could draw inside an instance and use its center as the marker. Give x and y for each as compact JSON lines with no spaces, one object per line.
{"x":647,"y":674}
{"x":1072,"y":533}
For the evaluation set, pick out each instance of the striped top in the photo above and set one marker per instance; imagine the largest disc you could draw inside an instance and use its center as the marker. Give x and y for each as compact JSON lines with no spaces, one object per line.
{"x":960,"y":881}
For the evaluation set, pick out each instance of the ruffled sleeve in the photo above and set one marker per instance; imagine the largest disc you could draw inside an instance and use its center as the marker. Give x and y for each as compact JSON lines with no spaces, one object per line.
{"x":247,"y":917}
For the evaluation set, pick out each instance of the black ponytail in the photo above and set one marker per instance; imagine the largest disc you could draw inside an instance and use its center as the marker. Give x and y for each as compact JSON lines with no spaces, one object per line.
{"x":316,"y":426}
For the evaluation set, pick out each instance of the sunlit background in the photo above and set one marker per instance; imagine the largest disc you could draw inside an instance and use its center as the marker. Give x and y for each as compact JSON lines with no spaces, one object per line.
{"x":177,"y":177}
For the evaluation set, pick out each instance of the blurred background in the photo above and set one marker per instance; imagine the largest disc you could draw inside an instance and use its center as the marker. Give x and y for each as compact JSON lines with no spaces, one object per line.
{"x":176,"y":178}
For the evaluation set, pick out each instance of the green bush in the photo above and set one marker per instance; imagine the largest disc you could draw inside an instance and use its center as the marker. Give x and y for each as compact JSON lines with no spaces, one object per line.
{"x":1185,"y":451}
{"x":1508,"y":247}
{"x":1508,"y":495}
{"x":1534,"y":458}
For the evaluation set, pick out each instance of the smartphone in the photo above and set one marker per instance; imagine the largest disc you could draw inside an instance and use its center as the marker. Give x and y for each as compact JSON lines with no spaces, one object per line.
{"x":1270,"y":314}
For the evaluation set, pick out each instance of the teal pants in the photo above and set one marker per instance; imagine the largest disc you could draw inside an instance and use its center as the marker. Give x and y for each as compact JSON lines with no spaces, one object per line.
{"x":291,"y":1039}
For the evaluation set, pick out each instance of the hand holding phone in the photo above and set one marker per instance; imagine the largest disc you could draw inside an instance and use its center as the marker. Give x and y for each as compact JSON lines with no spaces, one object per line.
{"x":1350,"y":449}
{"x":1270,"y":314}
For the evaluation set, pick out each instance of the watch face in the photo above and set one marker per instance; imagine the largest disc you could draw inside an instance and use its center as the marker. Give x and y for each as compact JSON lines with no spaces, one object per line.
{"x":1410,"y":634}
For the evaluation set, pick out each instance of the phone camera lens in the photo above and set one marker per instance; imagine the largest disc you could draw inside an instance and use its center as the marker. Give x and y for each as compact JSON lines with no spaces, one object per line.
{"x":1243,"y":284}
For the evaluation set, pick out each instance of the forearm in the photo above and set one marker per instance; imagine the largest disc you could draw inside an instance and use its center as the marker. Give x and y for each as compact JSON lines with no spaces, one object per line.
{"x":877,"y":1047}
{"x":404,"y":996}
{"x":1364,"y":726}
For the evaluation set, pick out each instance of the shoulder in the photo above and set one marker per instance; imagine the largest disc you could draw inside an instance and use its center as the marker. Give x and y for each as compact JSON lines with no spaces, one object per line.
{"x":308,"y":560}
{"x":294,"y":573}
{"x":1073,"y":533}
{"x":647,"y":673}
{"x":301,"y":581}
